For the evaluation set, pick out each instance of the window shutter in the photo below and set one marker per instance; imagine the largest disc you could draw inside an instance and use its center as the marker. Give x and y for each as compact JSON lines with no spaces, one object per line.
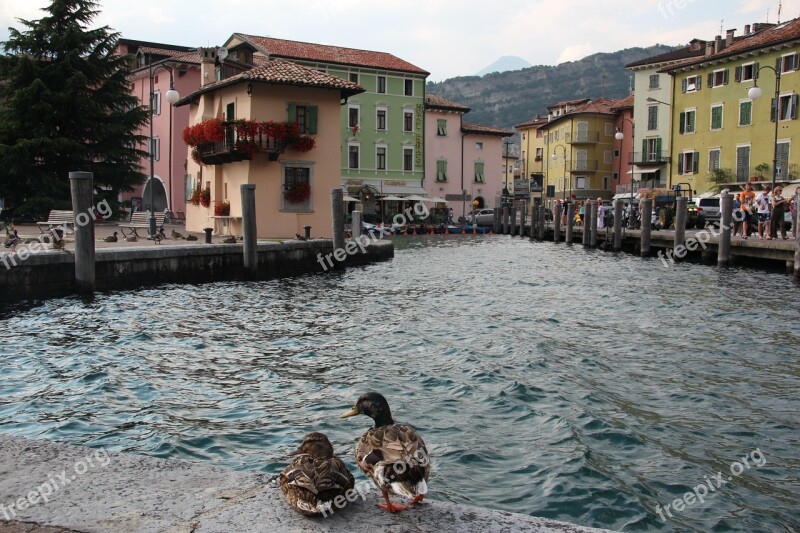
{"x":292,"y":113}
{"x":794,"y":106}
{"x":778,"y":63}
{"x":725,"y":76}
{"x":710,"y":79}
{"x":774,"y":111}
{"x":644,"y":150}
{"x":682,"y":126}
{"x":683,"y":85}
{"x":658,"y":148}
{"x":737,"y":74}
{"x":444,"y":170}
{"x":695,"y":162}
{"x":699,"y":82}
{"x":680,"y":164}
{"x":313,"y":118}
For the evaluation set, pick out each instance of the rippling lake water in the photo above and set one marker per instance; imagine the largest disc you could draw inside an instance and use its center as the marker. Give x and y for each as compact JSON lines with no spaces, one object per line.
{"x":553,"y":381}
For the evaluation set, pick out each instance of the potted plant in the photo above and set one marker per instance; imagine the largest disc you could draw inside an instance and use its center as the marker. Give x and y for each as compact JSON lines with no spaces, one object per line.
{"x":298,"y":193}
{"x":222,"y":209}
{"x":205,"y":197}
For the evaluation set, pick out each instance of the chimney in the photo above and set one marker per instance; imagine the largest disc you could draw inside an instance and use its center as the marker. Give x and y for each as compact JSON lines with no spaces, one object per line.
{"x":747,"y":29}
{"x":709,"y":48}
{"x":729,"y":37}
{"x":208,"y":66}
{"x":718,"y":44}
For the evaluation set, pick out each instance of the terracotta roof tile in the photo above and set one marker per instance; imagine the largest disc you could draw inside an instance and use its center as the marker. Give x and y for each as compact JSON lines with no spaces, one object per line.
{"x":669,"y":57}
{"x":601,"y":105}
{"x":470,"y":127}
{"x":161,"y":51}
{"x":329,"y":54}
{"x":534,"y":122}
{"x":280,"y":72}
{"x":622,"y":103}
{"x":431,"y":100}
{"x":578,"y":101}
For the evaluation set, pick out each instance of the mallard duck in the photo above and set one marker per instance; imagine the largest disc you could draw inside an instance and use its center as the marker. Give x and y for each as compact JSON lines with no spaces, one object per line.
{"x":315,"y":477}
{"x":111,"y":238}
{"x":229,"y":240}
{"x":132,"y":238}
{"x":393,"y":455}
{"x":191,"y":237}
{"x":175,"y":235}
{"x":12,"y":240}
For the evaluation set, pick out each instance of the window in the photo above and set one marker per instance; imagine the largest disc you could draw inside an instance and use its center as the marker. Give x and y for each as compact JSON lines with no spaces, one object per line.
{"x":380,"y":158}
{"x":479,"y":177}
{"x":408,"y":87}
{"x":408,"y":121}
{"x":188,"y":185}
{"x":652,"y":117}
{"x":157,"y":103}
{"x":294,"y":177}
{"x":353,"y":156}
{"x":538,"y":154}
{"x":745,"y":112}
{"x":155,"y":148}
{"x":783,"y":160}
{"x":605,"y":182}
{"x":609,"y":129}
{"x":382,"y":84}
{"x":607,"y":157}
{"x":713,"y":159}
{"x":408,"y":159}
{"x":441,"y":170}
{"x":652,"y":149}
{"x":687,"y":121}
{"x":688,"y":163}
{"x":746,"y":72}
{"x":742,"y":163}
{"x":718,"y":78}
{"x":616,"y":153}
{"x":691,"y":84}
{"x":580,"y":182}
{"x":380,"y":119}
{"x":305,"y":116}
{"x":654,"y":79}
{"x":615,"y":176}
{"x":354,"y":77}
{"x":716,"y":117}
{"x":479,"y":145}
{"x":353,"y":119}
{"x":787,"y":107}
{"x":441,"y":127}
{"x":788,"y":63}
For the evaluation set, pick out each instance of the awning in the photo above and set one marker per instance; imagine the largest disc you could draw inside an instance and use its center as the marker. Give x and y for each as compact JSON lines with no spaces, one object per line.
{"x":384,"y":187}
{"x":625,"y":196}
{"x":347,"y":198}
{"x":789,"y":190}
{"x":645,"y":170}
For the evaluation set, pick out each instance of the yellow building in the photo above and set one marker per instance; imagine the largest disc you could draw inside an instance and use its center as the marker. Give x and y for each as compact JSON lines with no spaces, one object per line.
{"x":721,"y":136}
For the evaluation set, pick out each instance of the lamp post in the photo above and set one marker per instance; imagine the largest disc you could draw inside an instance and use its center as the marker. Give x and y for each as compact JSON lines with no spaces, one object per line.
{"x":619,"y":136}
{"x":754,"y":93}
{"x":172,"y":96}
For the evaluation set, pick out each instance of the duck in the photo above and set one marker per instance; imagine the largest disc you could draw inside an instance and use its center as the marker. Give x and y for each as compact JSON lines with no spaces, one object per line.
{"x":12,"y":240}
{"x":175,"y":235}
{"x":132,"y":238}
{"x":392,"y":455}
{"x":111,"y":238}
{"x":315,"y":477}
{"x":191,"y":237}
{"x":157,"y":237}
{"x":229,"y":240}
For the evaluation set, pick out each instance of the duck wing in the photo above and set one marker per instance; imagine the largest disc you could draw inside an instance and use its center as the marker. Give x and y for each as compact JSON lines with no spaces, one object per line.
{"x":396,"y":459}
{"x":309,"y":484}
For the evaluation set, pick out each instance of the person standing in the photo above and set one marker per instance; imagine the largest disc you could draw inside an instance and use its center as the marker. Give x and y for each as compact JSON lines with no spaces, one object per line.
{"x":601,"y":214}
{"x":747,"y":198}
{"x":737,"y":216}
{"x":778,"y":211}
{"x":762,"y":204}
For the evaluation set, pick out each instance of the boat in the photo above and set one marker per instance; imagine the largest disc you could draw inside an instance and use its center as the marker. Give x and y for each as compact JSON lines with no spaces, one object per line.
{"x":455,"y":229}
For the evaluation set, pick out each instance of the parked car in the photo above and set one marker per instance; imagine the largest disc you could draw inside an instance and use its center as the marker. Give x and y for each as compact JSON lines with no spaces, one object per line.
{"x":484,"y":217}
{"x":708,"y":208}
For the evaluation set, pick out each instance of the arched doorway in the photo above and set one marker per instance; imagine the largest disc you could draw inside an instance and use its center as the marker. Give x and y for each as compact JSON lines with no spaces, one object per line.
{"x":481,"y":202}
{"x":159,"y":195}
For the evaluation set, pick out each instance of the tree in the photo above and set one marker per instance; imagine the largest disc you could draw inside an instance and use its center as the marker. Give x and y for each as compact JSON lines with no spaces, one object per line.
{"x":65,"y":105}
{"x":721,"y":177}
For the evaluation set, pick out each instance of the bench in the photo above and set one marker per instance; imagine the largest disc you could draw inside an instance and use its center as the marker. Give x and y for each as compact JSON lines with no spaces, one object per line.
{"x":176,"y":217}
{"x":57,"y":218}
{"x":141,"y":220}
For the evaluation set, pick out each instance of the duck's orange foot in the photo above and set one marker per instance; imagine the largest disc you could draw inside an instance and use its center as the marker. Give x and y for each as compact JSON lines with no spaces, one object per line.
{"x":390,"y":507}
{"x":417,"y":500}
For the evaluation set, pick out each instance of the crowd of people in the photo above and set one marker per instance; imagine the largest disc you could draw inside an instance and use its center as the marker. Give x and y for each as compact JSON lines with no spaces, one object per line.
{"x":764,"y":212}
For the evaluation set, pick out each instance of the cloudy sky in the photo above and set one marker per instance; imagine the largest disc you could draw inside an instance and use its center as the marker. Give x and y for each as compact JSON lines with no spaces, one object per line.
{"x":445,"y":37}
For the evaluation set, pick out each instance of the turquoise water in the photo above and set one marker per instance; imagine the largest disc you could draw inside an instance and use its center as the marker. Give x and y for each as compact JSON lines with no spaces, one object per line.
{"x":553,"y":381}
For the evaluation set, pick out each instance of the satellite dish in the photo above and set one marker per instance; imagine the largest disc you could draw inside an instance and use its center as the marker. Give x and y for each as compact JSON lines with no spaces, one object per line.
{"x":222,"y":53}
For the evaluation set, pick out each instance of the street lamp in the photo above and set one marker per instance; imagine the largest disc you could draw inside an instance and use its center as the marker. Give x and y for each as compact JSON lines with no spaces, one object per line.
{"x":172,"y":97}
{"x":754,"y":93}
{"x":619,"y":136}
{"x":554,"y":157}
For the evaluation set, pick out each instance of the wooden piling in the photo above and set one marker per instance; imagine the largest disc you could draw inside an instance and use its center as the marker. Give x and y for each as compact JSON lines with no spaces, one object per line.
{"x":617,"y":225}
{"x":337,"y":206}
{"x":82,"y":190}
{"x":355,"y":224}
{"x":249,"y":232}
{"x":679,"y":245}
{"x":557,"y":223}
{"x":593,"y":225}
{"x":570,"y":222}
{"x":647,"y":213}
{"x":726,"y":223}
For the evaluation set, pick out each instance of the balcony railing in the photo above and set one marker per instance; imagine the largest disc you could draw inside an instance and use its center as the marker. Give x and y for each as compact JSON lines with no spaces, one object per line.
{"x":583,"y":165}
{"x":648,"y":158}
{"x":234,"y":147}
{"x":583,"y":137}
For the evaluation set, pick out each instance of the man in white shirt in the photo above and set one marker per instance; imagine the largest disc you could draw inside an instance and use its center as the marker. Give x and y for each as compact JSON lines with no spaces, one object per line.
{"x":763,"y":204}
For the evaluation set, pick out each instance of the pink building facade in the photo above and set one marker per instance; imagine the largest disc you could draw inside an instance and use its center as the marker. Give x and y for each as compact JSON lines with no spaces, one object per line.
{"x":623,"y":149}
{"x":464,"y":161}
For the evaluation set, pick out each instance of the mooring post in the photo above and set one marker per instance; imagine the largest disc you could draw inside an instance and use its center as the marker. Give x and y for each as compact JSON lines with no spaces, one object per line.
{"x":505,"y":220}
{"x":249,"y":233}
{"x":593,"y":225}
{"x":541,"y":226}
{"x":557,"y":224}
{"x":534,"y":223}
{"x":647,"y":212}
{"x":680,"y":227}
{"x":355,"y":224}
{"x":585,"y":224}
{"x":523,"y":211}
{"x":307,"y":232}
{"x":617,"y":225}
{"x":797,"y":251}
{"x":726,"y":222}
{"x":513,"y":216}
{"x":82,"y":189}
{"x":496,"y":220}
{"x":337,"y":206}
{"x":570,"y":222}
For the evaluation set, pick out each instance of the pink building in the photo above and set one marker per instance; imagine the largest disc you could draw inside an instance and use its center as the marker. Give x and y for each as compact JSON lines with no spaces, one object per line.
{"x":623,"y":149}
{"x":464,"y":161}
{"x":170,"y":185}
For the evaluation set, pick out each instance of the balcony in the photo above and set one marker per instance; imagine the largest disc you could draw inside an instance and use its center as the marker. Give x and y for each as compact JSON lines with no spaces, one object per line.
{"x":648,"y":158}
{"x":583,"y":137}
{"x":236,"y":145}
{"x":583,"y":165}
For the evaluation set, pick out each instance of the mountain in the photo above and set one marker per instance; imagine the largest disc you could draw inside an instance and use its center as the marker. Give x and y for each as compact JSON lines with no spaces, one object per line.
{"x":505,"y":99}
{"x":505,"y":64}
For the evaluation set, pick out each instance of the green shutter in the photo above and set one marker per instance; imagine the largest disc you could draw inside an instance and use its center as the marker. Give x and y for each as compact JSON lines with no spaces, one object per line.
{"x":658,"y":148}
{"x":737,"y":74}
{"x":773,"y":113}
{"x":292,"y":113}
{"x":794,"y":106}
{"x":692,"y":116}
{"x":680,"y":164}
{"x":695,"y":162}
{"x":683,"y":85}
{"x":682,"y":126}
{"x":725,"y":76}
{"x":644,"y":151}
{"x":710,"y":78}
{"x":313,"y":114}
{"x":444,"y":170}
